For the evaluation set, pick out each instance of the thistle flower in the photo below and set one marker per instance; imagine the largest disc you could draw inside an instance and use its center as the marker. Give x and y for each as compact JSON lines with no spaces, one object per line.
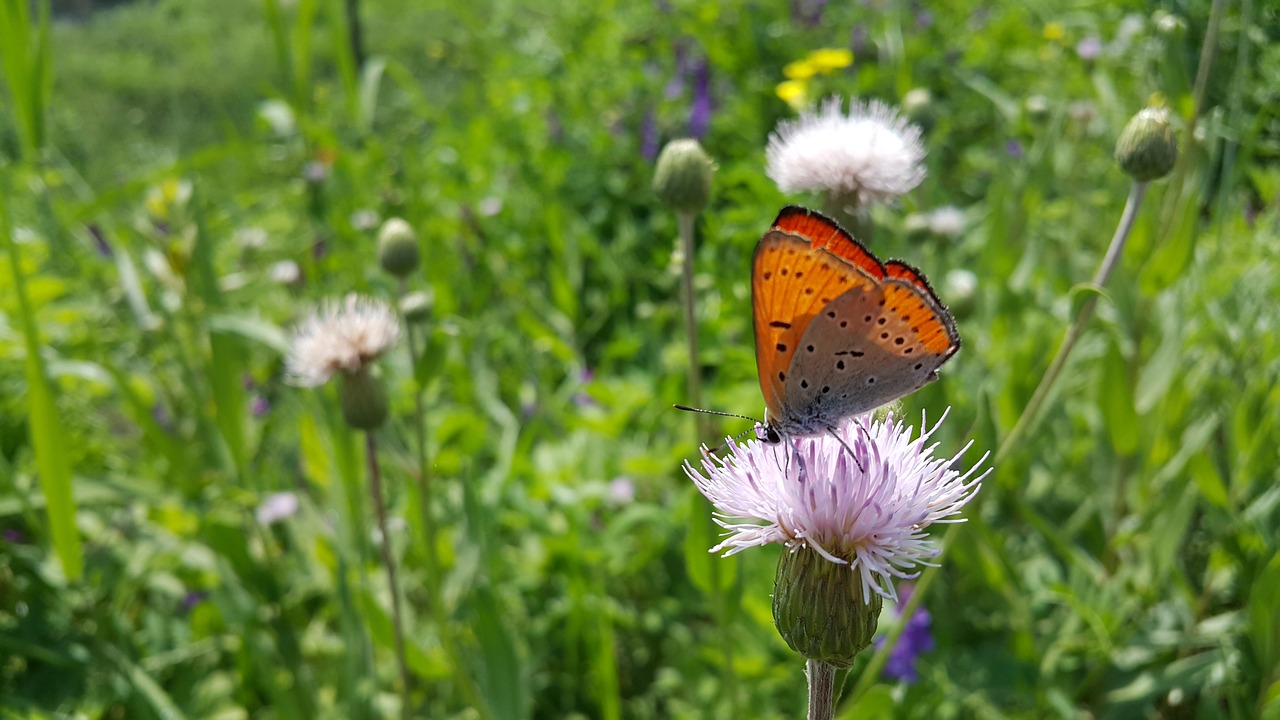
{"x":852,"y":506}
{"x":340,"y":337}
{"x":861,"y":497}
{"x":345,"y":339}
{"x":276,"y":507}
{"x":869,"y":155}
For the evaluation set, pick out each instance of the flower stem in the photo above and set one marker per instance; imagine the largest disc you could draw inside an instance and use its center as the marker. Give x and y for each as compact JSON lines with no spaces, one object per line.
{"x":388,"y":561}
{"x":685,"y":221}
{"x":434,"y":574}
{"x":821,"y":690}
{"x":1020,"y":428}
{"x":1077,"y":328}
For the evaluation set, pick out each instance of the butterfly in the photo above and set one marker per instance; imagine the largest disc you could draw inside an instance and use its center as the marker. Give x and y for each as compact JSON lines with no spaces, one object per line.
{"x":838,"y":332}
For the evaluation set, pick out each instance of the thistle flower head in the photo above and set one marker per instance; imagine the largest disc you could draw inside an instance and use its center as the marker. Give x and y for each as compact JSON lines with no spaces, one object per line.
{"x":869,"y":155}
{"x":340,"y":337}
{"x":861,"y":497}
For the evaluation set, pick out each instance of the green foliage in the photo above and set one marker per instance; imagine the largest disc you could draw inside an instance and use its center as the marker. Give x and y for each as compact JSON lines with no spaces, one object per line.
{"x":196,"y":198}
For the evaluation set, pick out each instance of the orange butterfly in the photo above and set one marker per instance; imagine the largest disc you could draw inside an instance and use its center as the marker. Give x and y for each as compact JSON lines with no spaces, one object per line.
{"x":838,"y":332}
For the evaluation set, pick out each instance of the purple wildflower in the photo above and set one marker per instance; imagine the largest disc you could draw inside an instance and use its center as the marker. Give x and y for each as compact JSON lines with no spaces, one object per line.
{"x":162,"y":417}
{"x":581,"y":398}
{"x":649,"y":136}
{"x":13,"y":536}
{"x":276,"y":507}
{"x":807,"y":12}
{"x":914,"y":641}
{"x":1013,"y":148}
{"x":191,"y":600}
{"x":260,"y":406}
{"x":1090,"y":48}
{"x":100,"y":240}
{"x":700,"y":114}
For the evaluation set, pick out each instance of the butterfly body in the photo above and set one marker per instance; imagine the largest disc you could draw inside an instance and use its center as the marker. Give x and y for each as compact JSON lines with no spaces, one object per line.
{"x":838,"y":332}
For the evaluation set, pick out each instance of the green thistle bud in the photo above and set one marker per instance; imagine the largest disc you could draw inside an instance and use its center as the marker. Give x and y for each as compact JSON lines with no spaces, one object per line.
{"x":416,"y":306}
{"x":397,"y":247}
{"x":364,"y":402}
{"x":1148,"y":147}
{"x":819,"y":609}
{"x":682,"y":179}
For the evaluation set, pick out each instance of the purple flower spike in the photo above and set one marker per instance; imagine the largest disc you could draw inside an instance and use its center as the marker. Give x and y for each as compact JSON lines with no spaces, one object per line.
{"x":700,"y":115}
{"x":649,"y":143}
{"x":916,"y":639}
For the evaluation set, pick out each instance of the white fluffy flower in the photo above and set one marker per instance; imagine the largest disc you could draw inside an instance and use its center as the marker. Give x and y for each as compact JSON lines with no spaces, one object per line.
{"x":860,"y":497}
{"x":947,"y":221}
{"x":872,"y":154}
{"x":340,"y":337}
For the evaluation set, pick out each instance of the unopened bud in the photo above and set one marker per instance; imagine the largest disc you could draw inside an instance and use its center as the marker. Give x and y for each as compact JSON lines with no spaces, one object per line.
{"x":397,"y":247}
{"x":682,"y":179}
{"x":819,"y":608}
{"x":416,"y":306}
{"x":1148,"y":147}
{"x":364,"y":402}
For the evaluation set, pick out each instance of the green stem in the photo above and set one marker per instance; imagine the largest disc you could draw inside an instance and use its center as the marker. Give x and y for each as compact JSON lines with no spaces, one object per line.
{"x":388,"y":561}
{"x":1025,"y":421}
{"x":685,"y":221}
{"x":429,"y":530}
{"x":1077,"y":328}
{"x":821,"y":690}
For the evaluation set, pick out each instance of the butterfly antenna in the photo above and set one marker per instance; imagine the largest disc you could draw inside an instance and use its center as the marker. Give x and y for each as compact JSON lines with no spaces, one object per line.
{"x":686,"y":408}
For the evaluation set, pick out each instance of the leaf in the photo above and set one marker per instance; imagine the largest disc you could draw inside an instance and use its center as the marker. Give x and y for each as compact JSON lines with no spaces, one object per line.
{"x":1159,"y":371}
{"x":501,"y":678}
{"x":1115,"y":399}
{"x":48,"y":436}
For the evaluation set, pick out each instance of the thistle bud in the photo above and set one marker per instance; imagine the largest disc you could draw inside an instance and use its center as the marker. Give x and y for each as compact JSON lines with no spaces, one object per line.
{"x":1148,"y":147}
{"x":820,"y":610}
{"x":416,"y":306}
{"x":397,"y":247}
{"x":682,"y":179}
{"x":364,"y":402}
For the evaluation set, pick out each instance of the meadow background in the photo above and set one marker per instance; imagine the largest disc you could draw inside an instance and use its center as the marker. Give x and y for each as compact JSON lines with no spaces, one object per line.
{"x":183,"y":180}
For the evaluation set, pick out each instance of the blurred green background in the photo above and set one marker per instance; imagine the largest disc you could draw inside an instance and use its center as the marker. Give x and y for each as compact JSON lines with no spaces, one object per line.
{"x":185,"y":179}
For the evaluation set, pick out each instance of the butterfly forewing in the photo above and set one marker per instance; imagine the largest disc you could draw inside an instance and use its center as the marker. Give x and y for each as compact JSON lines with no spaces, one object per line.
{"x":790,"y":284}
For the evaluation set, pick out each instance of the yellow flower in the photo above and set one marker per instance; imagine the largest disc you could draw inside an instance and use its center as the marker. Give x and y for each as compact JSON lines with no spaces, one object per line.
{"x":1054,"y":32}
{"x":827,"y":60}
{"x":794,"y":93}
{"x":800,"y":70}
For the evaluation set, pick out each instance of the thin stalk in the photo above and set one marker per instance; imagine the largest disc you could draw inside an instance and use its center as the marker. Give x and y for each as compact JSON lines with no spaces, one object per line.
{"x":1077,"y":328}
{"x":1020,"y":428}
{"x":685,"y":221}
{"x":685,"y":224}
{"x":388,"y":561}
{"x":822,"y":679}
{"x":434,"y":575}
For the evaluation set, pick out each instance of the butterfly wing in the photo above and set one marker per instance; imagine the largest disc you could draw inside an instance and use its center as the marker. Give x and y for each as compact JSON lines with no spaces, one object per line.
{"x":791,"y":282}
{"x":823,"y":232}
{"x":867,"y":347}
